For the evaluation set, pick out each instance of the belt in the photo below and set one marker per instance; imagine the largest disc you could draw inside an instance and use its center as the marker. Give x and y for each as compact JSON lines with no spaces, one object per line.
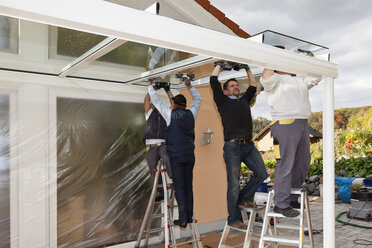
{"x":238,"y":140}
{"x":157,"y":144}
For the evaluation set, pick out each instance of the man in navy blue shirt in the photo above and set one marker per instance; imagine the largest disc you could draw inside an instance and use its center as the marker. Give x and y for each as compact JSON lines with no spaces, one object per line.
{"x":180,"y":146}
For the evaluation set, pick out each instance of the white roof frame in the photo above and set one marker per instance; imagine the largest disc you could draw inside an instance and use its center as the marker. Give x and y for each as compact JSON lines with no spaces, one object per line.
{"x":104,"y":18}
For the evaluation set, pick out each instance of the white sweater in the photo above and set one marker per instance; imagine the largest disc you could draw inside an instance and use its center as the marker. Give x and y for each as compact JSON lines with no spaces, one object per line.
{"x":287,"y":96}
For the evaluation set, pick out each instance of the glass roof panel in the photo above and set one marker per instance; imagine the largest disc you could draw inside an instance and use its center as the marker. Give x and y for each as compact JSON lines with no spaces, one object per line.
{"x":292,"y":44}
{"x":129,"y":60}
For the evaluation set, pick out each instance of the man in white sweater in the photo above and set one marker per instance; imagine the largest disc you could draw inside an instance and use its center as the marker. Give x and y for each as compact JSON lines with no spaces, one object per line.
{"x":288,"y":97}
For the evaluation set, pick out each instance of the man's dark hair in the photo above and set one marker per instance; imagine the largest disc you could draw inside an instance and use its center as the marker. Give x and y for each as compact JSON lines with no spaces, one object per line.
{"x":180,"y":100}
{"x":227,"y":83}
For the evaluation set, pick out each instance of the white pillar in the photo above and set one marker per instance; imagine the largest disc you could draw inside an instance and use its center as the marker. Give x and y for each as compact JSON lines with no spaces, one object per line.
{"x":328,"y":165}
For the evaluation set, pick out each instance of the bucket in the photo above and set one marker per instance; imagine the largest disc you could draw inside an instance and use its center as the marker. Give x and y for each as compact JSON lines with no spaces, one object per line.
{"x":262,"y":188}
{"x":367,"y":182}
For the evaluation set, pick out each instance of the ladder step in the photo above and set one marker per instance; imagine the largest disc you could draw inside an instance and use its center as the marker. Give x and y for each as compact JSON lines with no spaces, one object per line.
{"x":281,"y":239}
{"x":154,"y":230}
{"x":297,"y":191}
{"x":273,"y":214}
{"x":237,"y":229}
{"x":225,"y":246}
{"x":185,"y":242}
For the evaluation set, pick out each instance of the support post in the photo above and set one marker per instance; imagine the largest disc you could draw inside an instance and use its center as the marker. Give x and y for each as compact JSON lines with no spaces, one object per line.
{"x":328,"y":164}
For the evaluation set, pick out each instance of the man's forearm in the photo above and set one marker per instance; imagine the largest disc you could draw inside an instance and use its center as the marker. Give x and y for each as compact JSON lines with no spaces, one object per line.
{"x":252,"y":80}
{"x":267,"y":73}
{"x":216,"y":71}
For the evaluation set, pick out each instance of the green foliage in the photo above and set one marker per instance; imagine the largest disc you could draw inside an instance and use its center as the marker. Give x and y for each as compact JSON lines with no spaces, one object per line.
{"x":342,"y":117}
{"x":353,"y":166}
{"x":259,"y":124}
{"x":271,"y":164}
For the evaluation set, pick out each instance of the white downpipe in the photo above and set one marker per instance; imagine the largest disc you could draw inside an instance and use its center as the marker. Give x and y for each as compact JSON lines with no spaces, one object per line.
{"x":328,"y":164}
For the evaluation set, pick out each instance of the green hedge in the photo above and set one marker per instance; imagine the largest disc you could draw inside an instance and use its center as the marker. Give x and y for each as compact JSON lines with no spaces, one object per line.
{"x":353,"y":166}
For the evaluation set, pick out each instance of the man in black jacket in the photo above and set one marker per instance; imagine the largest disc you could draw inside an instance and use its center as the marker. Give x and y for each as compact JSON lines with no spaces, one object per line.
{"x":237,"y":124}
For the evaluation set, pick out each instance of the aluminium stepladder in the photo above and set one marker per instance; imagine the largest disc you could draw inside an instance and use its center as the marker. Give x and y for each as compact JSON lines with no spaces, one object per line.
{"x":249,"y":220}
{"x":275,"y":238}
{"x":167,"y":207}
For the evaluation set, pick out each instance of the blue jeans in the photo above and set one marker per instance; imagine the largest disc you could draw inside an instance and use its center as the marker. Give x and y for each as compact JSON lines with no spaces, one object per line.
{"x":234,"y":154}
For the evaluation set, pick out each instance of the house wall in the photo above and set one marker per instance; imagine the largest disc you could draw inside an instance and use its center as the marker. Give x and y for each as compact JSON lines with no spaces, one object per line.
{"x":210,"y":183}
{"x":266,"y":143}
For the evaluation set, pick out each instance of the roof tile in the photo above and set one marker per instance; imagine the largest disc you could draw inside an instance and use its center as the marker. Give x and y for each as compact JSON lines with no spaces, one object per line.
{"x":232,"y":25}
{"x":204,"y":3}
{"x":221,"y":17}
{"x":217,"y":13}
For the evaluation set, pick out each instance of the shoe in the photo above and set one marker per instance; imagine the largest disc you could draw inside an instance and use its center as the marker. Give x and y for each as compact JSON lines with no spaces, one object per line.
{"x":182,"y":224}
{"x":248,"y":204}
{"x":239,"y":225}
{"x":287,"y":212}
{"x":159,"y":198}
{"x":295,"y":204}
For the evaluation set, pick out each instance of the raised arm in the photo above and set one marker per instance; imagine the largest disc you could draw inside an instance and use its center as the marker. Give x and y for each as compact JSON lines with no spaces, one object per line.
{"x":269,"y":80}
{"x":163,"y":110}
{"x":218,"y":95}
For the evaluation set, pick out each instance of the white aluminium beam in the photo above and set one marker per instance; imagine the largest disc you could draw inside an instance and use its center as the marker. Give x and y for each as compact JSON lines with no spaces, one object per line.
{"x":328,"y":165}
{"x":104,"y":18}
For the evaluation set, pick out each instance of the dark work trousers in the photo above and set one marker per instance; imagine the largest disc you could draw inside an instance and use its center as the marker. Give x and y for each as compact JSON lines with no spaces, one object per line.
{"x":182,"y":169}
{"x":293,"y":165}
{"x":234,"y":154}
{"x":153,"y":156}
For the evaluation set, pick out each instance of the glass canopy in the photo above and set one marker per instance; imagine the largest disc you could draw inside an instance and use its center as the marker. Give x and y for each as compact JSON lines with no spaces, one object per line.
{"x":43,"y":49}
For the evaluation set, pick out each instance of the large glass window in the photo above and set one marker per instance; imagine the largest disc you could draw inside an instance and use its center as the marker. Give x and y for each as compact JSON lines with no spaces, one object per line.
{"x":4,"y":173}
{"x":9,"y":34}
{"x":103,"y":180}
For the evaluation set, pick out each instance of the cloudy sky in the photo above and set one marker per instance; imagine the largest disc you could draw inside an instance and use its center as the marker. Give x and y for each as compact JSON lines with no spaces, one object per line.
{"x":342,"y":25}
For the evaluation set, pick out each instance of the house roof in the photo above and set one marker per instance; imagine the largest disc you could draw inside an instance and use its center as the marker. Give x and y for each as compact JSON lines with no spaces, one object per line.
{"x":267,"y":129}
{"x":222,"y":18}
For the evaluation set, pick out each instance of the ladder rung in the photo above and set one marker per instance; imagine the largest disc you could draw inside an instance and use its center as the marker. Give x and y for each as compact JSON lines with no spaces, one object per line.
{"x":291,"y":227}
{"x":273,"y":214}
{"x":281,"y":239}
{"x":237,"y":229}
{"x":258,"y":208}
{"x":297,"y":191}
{"x":185,"y":242}
{"x":225,"y":246}
{"x":154,"y":230}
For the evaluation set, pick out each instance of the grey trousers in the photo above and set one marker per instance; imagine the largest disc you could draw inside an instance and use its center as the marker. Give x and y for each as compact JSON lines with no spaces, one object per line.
{"x":293,"y":165}
{"x":153,"y":155}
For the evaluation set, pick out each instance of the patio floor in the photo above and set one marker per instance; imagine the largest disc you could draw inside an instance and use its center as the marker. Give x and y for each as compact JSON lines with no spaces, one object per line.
{"x":346,"y":236}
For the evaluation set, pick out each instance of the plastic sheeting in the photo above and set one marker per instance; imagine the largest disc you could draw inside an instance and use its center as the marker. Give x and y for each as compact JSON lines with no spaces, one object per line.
{"x":4,"y":173}
{"x":103,"y":182}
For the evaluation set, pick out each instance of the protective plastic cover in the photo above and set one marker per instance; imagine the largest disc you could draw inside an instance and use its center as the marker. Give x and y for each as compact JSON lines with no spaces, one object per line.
{"x":103,"y":182}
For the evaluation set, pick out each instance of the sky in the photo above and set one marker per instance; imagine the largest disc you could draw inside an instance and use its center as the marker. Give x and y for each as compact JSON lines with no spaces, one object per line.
{"x":344,"y":26}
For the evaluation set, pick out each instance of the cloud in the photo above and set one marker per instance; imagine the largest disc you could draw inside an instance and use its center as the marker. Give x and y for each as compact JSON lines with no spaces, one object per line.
{"x":343,"y":26}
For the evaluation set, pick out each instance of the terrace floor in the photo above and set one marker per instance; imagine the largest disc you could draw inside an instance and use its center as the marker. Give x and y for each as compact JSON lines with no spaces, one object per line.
{"x":346,"y":236}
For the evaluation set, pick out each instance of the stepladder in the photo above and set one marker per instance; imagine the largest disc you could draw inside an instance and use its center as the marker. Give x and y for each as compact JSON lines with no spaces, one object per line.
{"x":249,"y":216}
{"x":164,"y":210}
{"x":289,"y":231}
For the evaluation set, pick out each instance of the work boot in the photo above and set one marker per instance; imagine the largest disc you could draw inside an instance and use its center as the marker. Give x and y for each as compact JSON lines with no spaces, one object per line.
{"x":239,"y":225}
{"x":248,"y":204}
{"x":295,"y":204}
{"x":287,"y":212}
{"x":181,"y":223}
